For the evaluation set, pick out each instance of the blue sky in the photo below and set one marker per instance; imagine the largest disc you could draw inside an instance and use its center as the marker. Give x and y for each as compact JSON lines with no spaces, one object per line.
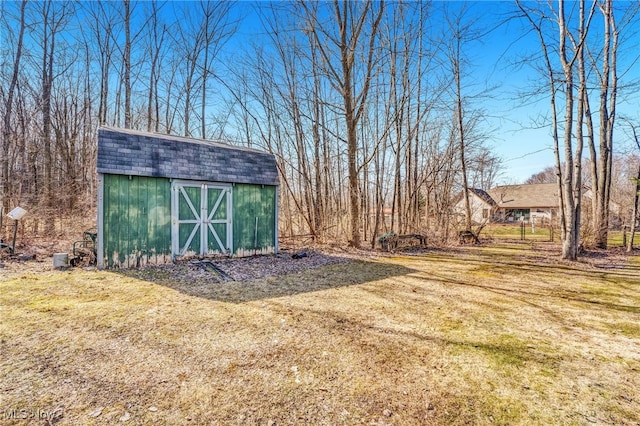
{"x":524,"y":149}
{"x":516,"y":136}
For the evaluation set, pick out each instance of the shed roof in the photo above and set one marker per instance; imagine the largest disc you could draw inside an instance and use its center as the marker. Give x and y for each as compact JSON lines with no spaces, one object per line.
{"x":132,"y":152}
{"x":525,"y":196}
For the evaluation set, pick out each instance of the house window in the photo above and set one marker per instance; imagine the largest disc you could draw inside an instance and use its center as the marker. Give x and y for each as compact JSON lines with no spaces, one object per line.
{"x":521,"y":214}
{"x":485,"y":213}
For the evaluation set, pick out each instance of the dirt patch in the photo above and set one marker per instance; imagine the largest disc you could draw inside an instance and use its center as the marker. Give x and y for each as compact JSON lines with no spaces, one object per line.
{"x":250,"y":268}
{"x":237,"y":268}
{"x":222,"y":269}
{"x":237,"y":280}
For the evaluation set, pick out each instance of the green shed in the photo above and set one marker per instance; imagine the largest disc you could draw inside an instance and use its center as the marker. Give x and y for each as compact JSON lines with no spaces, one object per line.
{"x":164,"y":197}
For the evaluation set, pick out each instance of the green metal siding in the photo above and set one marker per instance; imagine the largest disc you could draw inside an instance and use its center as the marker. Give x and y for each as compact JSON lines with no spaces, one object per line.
{"x":137,"y":220}
{"x":249,"y":202}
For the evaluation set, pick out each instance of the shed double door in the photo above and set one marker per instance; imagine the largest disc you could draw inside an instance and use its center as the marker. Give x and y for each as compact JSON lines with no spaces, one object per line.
{"x":201,"y":218}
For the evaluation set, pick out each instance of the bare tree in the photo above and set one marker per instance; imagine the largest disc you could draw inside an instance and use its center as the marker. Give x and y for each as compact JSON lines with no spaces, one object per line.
{"x":607,"y":82}
{"x":485,"y":168}
{"x":54,"y":18}
{"x":456,"y":62}
{"x":6,"y":128}
{"x":570,"y":190}
{"x":461,"y":31}
{"x":634,"y":215}
{"x":547,"y":175}
{"x":156,"y":34}
{"x":356,"y":32}
{"x":127,"y":63}
{"x":403,"y":67}
{"x":100,"y":32}
{"x":217,"y":29}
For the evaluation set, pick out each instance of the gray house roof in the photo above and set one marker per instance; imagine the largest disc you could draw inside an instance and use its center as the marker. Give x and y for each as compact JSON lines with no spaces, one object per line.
{"x":526,"y":196}
{"x":131,"y":152}
{"x":540,"y":195}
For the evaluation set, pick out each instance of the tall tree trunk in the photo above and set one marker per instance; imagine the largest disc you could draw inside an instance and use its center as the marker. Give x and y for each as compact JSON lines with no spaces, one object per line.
{"x":49,"y":33}
{"x":634,"y":214}
{"x":318,"y":202}
{"x":463,"y":162}
{"x":571,"y":205}
{"x":155,"y":45}
{"x":461,"y":133}
{"x":352,"y":151}
{"x":569,"y":187}
{"x":347,"y":41}
{"x":608,"y":93}
{"x":205,"y":72}
{"x":127,"y":64}
{"x":580,"y":113}
{"x":6,"y":128}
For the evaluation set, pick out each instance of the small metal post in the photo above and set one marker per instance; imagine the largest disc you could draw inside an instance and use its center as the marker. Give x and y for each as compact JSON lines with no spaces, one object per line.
{"x":15,"y":234}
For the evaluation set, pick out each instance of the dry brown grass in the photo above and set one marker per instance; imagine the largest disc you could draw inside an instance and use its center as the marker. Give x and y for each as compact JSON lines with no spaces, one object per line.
{"x":492,"y":335}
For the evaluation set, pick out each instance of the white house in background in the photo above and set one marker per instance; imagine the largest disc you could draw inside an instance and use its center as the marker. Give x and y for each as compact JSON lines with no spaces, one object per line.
{"x":482,"y":205}
{"x":510,"y":203}
{"x":535,"y":203}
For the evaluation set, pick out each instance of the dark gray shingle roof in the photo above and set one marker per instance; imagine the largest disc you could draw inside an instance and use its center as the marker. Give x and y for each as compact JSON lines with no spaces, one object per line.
{"x":130,"y":152}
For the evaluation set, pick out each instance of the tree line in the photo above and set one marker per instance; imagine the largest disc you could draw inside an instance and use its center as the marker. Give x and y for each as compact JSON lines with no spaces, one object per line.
{"x":375,"y":111}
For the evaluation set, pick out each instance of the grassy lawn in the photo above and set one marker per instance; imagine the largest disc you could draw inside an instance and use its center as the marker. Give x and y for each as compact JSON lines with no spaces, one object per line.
{"x":616,"y":238}
{"x":543,"y":234}
{"x":484,"y":335}
{"x":513,"y":232}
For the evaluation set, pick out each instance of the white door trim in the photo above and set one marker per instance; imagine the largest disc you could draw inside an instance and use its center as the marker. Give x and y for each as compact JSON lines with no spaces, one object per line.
{"x":202,"y":216}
